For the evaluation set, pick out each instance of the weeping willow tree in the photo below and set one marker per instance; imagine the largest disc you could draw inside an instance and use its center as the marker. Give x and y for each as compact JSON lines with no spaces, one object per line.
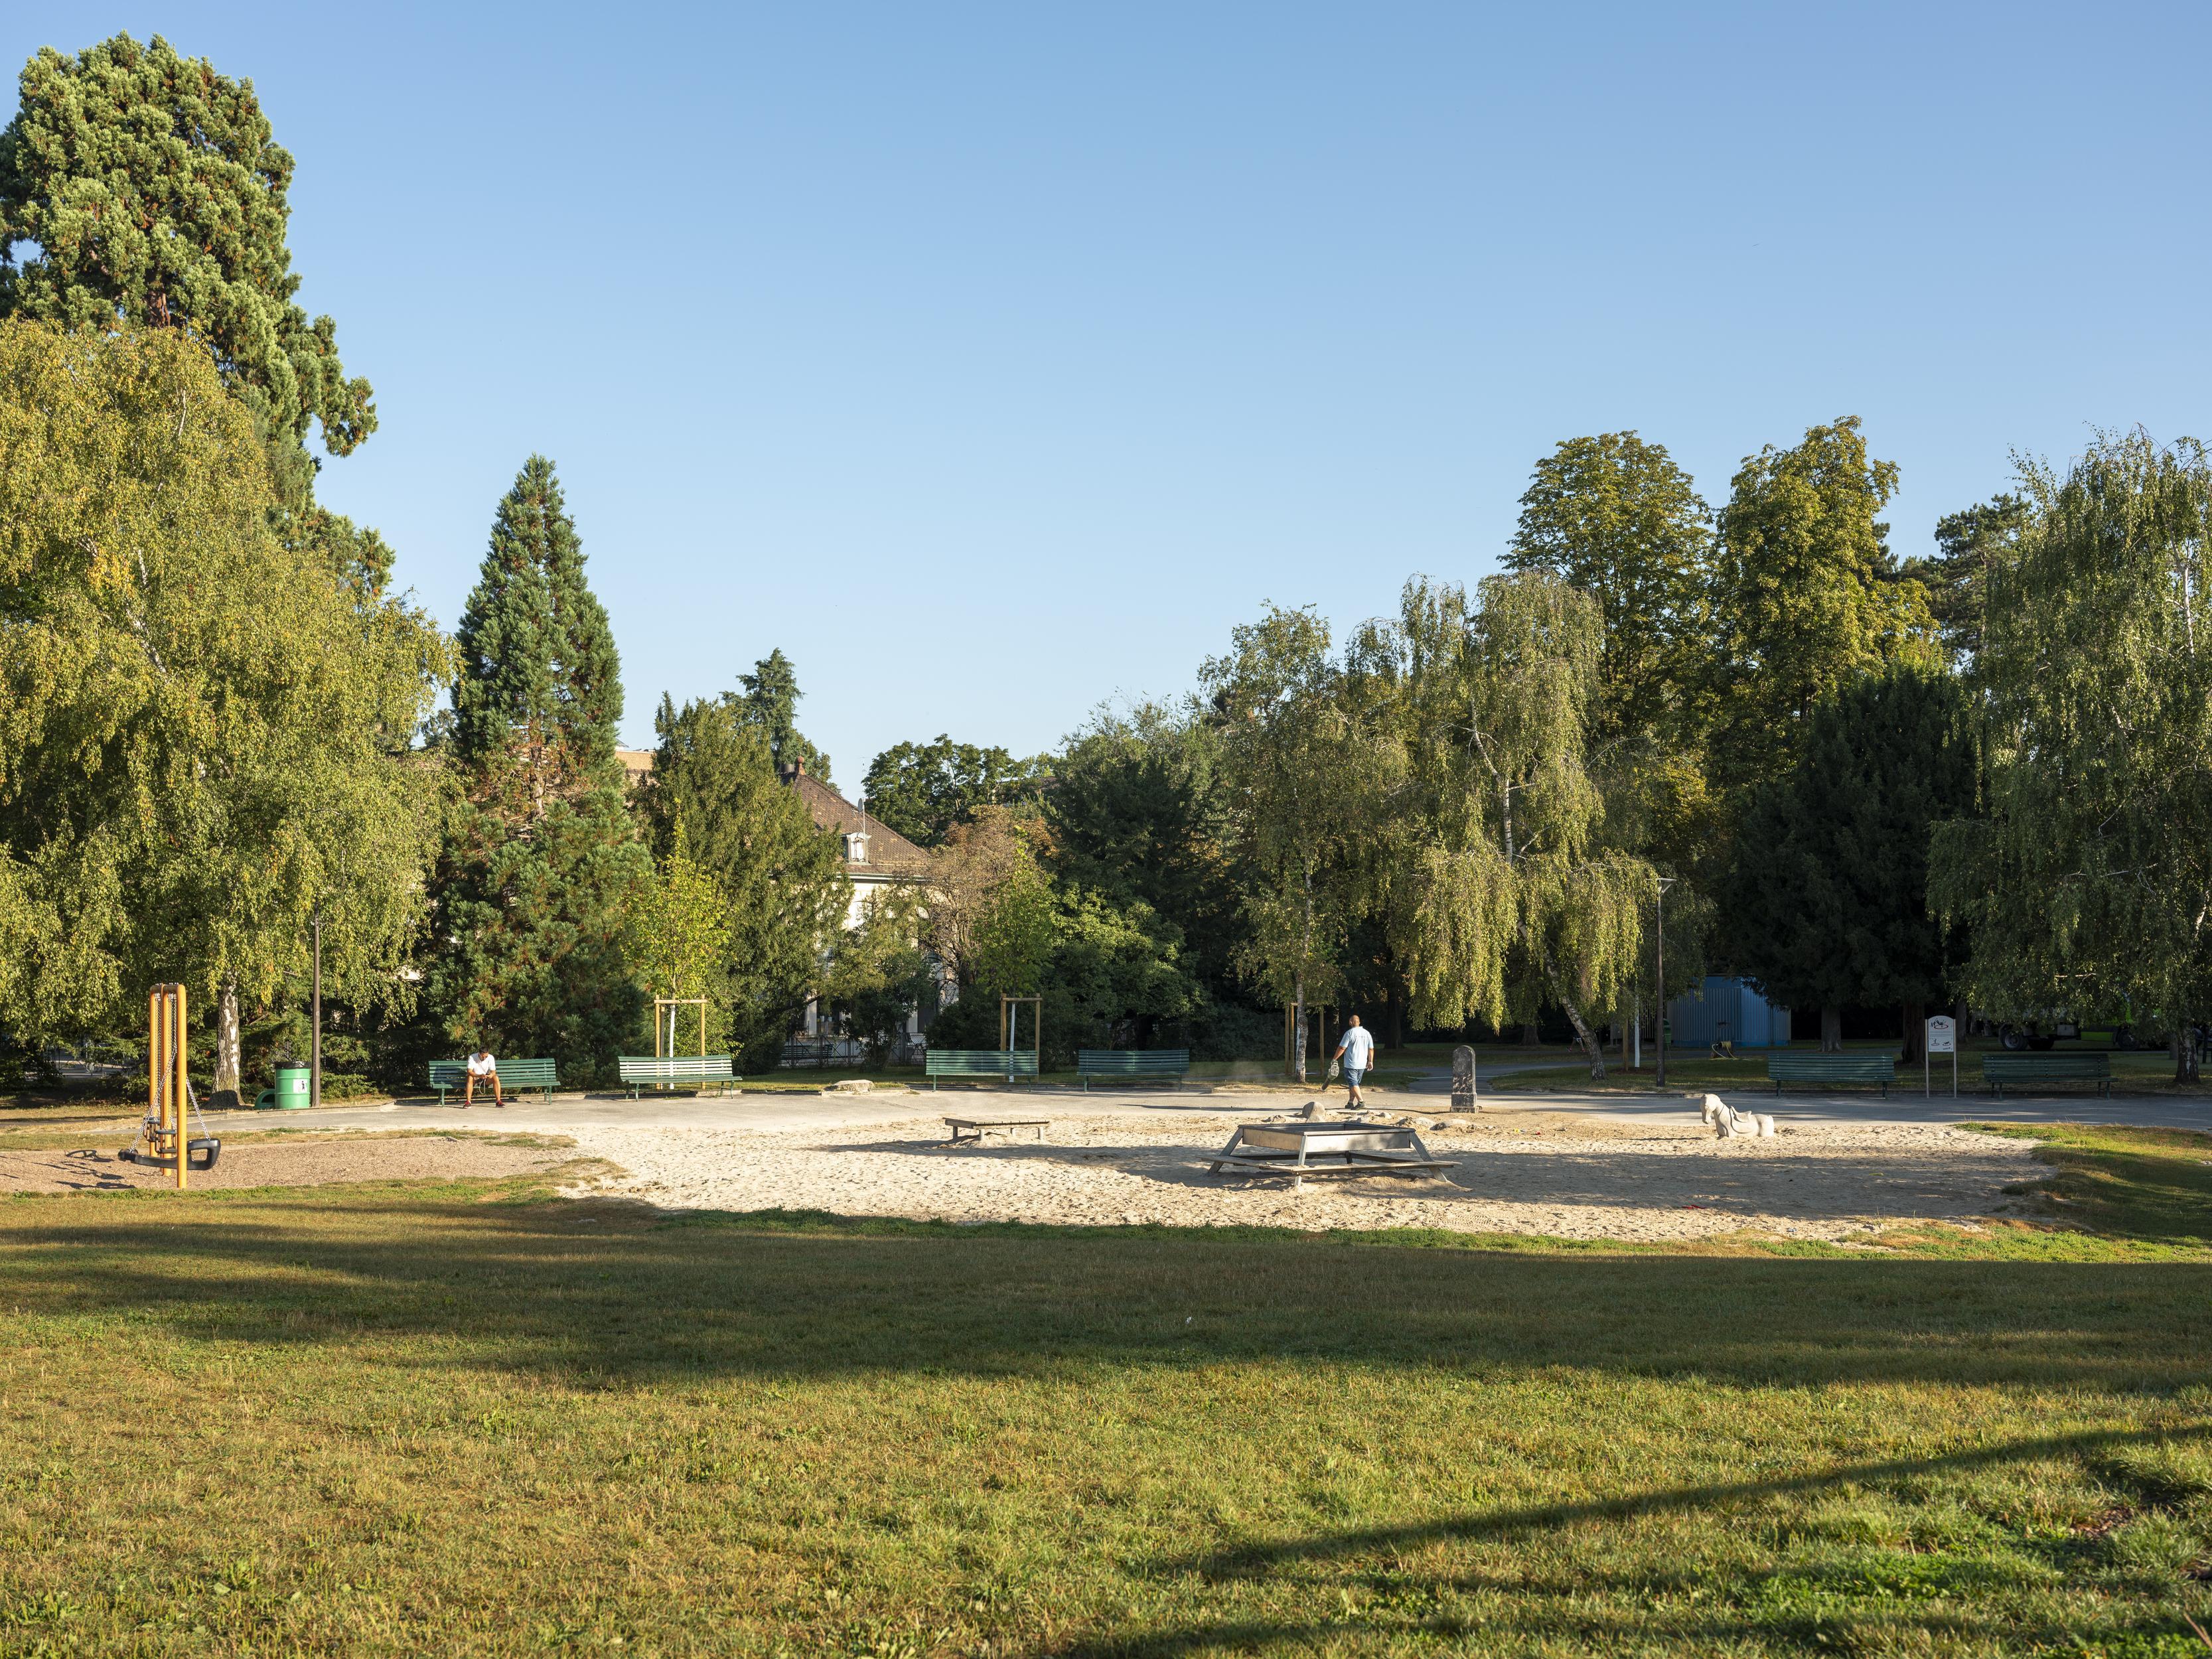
{"x":1511,"y":896}
{"x":2086,"y":880}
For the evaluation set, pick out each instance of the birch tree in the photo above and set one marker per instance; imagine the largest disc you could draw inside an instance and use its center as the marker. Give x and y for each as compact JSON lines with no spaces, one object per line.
{"x":1511,"y":897}
{"x":2087,"y":879}
{"x":1305,"y":770}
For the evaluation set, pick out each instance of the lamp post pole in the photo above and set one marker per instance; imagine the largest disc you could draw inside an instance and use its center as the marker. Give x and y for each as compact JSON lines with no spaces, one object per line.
{"x":1659,"y":1020}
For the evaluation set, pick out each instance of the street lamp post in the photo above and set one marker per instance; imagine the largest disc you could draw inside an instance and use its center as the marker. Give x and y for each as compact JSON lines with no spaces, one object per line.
{"x":1659,"y":987}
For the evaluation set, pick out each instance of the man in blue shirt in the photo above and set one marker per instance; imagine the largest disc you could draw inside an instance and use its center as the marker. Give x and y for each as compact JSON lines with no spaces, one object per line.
{"x":1355,"y":1051}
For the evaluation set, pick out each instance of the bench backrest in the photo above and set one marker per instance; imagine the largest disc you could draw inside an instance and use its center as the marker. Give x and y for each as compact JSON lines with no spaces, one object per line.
{"x":1132,"y":1062}
{"x":2095,"y":1066}
{"x":1844,"y":1066}
{"x":537,"y":1073}
{"x":980,"y":1062}
{"x":675,"y":1068}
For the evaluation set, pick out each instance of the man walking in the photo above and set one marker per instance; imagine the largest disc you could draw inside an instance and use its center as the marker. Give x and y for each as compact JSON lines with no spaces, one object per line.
{"x":481,"y":1068}
{"x":1357,"y":1048}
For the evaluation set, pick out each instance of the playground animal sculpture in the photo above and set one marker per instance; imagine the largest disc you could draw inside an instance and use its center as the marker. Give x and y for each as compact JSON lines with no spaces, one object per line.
{"x":1727,"y":1123}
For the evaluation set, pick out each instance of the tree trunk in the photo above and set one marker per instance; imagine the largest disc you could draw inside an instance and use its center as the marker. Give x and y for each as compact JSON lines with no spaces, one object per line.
{"x":1583,"y":1036}
{"x":225,"y":1047}
{"x":1529,"y":1038}
{"x":1831,"y":1029}
{"x":1916,"y":1031}
{"x":1298,"y":1035}
{"x":2183,"y":1043}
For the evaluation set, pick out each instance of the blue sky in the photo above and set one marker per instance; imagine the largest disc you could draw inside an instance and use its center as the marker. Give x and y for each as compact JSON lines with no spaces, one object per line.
{"x":995,"y":361}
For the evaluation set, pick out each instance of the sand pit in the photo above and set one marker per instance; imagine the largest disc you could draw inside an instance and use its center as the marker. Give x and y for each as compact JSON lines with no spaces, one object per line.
{"x":1560,"y":1174}
{"x":282,"y":1164}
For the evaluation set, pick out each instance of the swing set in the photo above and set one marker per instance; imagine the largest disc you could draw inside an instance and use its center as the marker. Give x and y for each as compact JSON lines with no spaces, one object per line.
{"x":165,"y":1139}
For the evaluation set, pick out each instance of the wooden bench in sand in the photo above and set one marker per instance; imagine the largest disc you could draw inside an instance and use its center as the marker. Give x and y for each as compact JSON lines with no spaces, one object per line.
{"x":973,"y":1128}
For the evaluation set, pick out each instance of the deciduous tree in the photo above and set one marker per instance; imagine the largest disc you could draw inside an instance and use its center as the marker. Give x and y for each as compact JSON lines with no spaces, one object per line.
{"x":2087,"y":877}
{"x":203,"y":729}
{"x":923,"y":789}
{"x":1511,"y":896}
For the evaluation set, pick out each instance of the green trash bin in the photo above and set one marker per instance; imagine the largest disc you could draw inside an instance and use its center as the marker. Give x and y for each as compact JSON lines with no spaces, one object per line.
{"x":290,"y":1094}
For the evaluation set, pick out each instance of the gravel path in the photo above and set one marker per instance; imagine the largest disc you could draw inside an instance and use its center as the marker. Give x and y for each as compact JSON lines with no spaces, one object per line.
{"x":1561,"y":1174}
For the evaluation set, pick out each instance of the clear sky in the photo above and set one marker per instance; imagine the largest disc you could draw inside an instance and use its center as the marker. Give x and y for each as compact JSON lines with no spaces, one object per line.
{"x":996,"y":361}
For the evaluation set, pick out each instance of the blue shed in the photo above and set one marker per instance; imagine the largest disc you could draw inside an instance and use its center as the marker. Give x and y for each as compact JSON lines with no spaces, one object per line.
{"x":1728,"y":1010}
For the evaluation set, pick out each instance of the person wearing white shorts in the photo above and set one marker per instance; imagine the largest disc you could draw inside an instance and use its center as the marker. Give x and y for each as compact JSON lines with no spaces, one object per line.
{"x":1356,"y":1048}
{"x":482,"y":1068}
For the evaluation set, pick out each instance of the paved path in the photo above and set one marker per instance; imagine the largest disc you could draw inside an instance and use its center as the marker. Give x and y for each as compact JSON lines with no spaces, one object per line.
{"x":800,"y":1113}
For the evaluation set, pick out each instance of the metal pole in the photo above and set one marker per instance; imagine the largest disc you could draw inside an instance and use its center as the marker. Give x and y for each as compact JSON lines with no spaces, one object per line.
{"x":315,"y":1058}
{"x":1660,"y":1030}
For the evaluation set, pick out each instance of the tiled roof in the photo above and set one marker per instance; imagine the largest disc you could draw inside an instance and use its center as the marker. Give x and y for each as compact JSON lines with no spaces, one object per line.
{"x":891,"y":856}
{"x":636,"y":765}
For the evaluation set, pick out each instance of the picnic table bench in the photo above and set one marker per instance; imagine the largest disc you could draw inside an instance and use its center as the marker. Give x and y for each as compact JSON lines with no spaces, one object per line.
{"x":1832,"y":1068}
{"x":674,"y":1071}
{"x":1997,"y":1070}
{"x":447,"y":1075}
{"x":1007,"y":1063}
{"x":1357,"y":1148}
{"x":1173,"y":1064}
{"x":972,"y":1128}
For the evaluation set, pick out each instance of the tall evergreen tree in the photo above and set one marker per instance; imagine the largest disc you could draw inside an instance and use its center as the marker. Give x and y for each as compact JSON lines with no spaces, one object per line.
{"x":1967,"y":543}
{"x":541,"y":861}
{"x":154,"y":194}
{"x":1828,"y":895}
{"x":771,"y":702}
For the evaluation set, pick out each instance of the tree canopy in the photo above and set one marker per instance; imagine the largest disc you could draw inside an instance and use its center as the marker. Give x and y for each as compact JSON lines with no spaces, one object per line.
{"x":922,"y":789}
{"x":1806,"y":594}
{"x":2087,"y":877}
{"x":1828,"y":895}
{"x":203,"y":731}
{"x":154,"y":193}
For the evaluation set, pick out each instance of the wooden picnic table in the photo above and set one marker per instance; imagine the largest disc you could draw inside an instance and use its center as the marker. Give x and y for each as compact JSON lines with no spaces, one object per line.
{"x":974,"y":1126}
{"x":1351,"y":1147}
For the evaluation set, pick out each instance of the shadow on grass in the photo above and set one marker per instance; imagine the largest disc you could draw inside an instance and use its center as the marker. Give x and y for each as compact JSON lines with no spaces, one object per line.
{"x":611,"y":1292}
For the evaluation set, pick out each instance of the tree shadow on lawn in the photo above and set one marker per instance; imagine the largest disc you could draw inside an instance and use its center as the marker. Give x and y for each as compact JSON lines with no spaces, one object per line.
{"x":562,"y":1290}
{"x":1837,"y":1599}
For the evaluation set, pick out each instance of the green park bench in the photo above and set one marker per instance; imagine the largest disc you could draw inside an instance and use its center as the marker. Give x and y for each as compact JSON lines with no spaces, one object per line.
{"x":1997,"y":1070}
{"x":1832,"y":1068}
{"x":515,"y":1075}
{"x":1007,"y":1063}
{"x":1173,"y":1064}
{"x":674,"y":1071}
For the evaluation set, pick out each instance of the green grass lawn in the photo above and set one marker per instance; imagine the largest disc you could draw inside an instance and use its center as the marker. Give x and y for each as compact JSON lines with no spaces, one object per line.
{"x":2136,"y":1072}
{"x":469,"y":1419}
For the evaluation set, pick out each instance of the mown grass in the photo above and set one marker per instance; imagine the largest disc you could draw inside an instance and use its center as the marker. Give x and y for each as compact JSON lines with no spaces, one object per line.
{"x":2141,"y":1073}
{"x":472,"y":1419}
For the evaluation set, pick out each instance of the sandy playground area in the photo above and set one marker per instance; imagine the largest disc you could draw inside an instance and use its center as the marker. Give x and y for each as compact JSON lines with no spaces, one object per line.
{"x":287,"y":1162}
{"x":1562,"y":1174}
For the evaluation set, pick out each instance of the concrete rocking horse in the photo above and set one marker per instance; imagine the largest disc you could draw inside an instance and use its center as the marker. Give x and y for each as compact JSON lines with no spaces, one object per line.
{"x":1727,"y":1123}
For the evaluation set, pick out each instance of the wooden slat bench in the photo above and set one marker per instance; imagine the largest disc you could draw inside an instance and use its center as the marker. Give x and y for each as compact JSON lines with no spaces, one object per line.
{"x":515,"y":1075}
{"x":1997,"y":1070}
{"x":1832,"y":1068}
{"x":674,"y":1071}
{"x":972,"y":1128}
{"x":1008,"y":1064}
{"x":1172,"y":1064}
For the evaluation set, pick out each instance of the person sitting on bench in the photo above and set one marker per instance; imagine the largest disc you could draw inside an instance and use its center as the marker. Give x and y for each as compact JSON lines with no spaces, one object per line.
{"x":482,"y":1067}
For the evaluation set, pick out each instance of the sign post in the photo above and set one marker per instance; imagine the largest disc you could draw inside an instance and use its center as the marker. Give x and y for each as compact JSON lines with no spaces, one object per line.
{"x":1942,"y":1039}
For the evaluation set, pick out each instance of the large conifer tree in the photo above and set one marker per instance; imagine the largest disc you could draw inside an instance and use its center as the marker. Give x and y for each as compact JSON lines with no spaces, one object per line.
{"x":541,"y":861}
